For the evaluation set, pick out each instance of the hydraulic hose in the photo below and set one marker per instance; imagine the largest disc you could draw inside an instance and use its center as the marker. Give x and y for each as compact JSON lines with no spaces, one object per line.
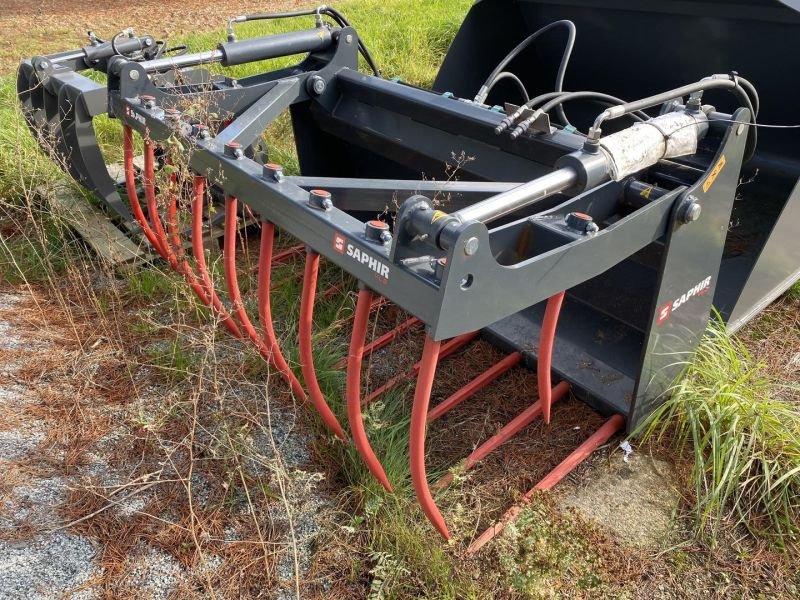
{"x":562,"y":68}
{"x":555,"y":99}
{"x":560,"y":98}
{"x":515,"y":79}
{"x":731,"y":82}
{"x":322,"y":10}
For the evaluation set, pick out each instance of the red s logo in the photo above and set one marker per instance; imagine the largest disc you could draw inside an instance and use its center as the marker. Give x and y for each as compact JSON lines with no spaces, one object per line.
{"x":663,"y":314}
{"x":338,"y":243}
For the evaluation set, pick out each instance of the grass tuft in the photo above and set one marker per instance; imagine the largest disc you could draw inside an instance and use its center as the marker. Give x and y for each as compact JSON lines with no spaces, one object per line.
{"x":742,"y":430}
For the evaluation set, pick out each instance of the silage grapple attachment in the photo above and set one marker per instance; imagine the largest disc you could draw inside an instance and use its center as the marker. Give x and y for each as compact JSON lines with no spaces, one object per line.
{"x":588,"y":233}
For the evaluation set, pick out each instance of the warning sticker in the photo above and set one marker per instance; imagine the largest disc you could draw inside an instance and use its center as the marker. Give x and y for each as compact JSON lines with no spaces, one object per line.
{"x":712,"y":177}
{"x":438,"y":215}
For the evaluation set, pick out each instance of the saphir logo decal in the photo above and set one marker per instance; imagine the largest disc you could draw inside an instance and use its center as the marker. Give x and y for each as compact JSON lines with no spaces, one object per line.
{"x":129,"y":112}
{"x":377,"y":266}
{"x":701,"y":289}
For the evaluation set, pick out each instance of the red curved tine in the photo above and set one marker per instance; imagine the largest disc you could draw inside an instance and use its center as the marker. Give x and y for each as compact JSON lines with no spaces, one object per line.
{"x":265,"y":262}
{"x":181,"y":268}
{"x":545,"y":355}
{"x":232,"y":284}
{"x":198,"y":189}
{"x":597,"y":439}
{"x":148,"y":181}
{"x":306,"y":351}
{"x":133,"y":198}
{"x":419,"y":415}
{"x":353,"y":390}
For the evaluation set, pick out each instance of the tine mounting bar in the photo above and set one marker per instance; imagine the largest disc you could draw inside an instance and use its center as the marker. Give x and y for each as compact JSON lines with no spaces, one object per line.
{"x":581,"y":453}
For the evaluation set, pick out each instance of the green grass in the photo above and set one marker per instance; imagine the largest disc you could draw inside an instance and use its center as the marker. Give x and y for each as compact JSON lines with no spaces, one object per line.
{"x":742,"y":432}
{"x":794,"y":292}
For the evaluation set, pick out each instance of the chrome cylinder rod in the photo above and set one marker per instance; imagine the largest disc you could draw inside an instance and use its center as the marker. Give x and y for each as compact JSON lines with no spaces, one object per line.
{"x":518,"y":197}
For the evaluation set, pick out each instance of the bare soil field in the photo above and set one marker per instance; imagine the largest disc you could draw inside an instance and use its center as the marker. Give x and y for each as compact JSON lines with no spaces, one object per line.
{"x":53,"y":25}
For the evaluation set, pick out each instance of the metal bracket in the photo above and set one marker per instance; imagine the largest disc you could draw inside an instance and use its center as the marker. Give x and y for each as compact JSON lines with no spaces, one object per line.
{"x":540,"y":125}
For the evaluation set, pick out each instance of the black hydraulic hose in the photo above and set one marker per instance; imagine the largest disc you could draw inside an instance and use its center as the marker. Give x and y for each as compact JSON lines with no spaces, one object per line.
{"x":751,"y":91}
{"x":323,"y":10}
{"x":340,"y":19}
{"x":570,"y":96}
{"x":562,"y":68}
{"x":559,"y":98}
{"x":512,"y":77}
{"x":731,"y":82}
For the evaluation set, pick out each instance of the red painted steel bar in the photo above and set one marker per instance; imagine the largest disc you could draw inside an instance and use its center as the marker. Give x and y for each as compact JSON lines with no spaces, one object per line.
{"x":546,"y":399}
{"x":206,"y":294}
{"x":509,"y":430}
{"x":581,"y":453}
{"x":386,"y":338}
{"x":353,"y":391}
{"x":232,"y":284}
{"x":172,"y":220}
{"x":545,"y":355}
{"x":286,"y":255}
{"x":480,"y":382}
{"x":198,"y":251}
{"x":419,"y":414}
{"x":265,"y":304}
{"x":149,"y":184}
{"x":446,"y":350}
{"x":133,"y":197}
{"x":305,"y":343}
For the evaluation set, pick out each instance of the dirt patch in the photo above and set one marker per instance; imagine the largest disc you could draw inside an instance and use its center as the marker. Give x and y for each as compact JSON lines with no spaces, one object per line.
{"x":634,"y":500}
{"x":46,"y":26}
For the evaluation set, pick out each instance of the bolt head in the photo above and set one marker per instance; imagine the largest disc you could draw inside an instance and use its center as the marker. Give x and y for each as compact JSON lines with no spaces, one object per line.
{"x":348,"y":39}
{"x":386,"y":237}
{"x":471,"y":246}
{"x":134,"y":75}
{"x":272,"y":171}
{"x":234,"y":149}
{"x":148,"y":42}
{"x":201,"y":131}
{"x":320,"y":199}
{"x":316,"y":85}
{"x":375,"y":229}
{"x":692,"y":212}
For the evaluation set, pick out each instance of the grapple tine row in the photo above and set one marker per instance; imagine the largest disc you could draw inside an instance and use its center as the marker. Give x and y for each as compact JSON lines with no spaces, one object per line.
{"x":158,"y":240}
{"x":133,"y":195}
{"x":267,"y":350}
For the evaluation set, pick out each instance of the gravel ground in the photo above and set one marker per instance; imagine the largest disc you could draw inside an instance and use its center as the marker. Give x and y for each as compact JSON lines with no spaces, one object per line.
{"x":48,"y":564}
{"x":40,"y":558}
